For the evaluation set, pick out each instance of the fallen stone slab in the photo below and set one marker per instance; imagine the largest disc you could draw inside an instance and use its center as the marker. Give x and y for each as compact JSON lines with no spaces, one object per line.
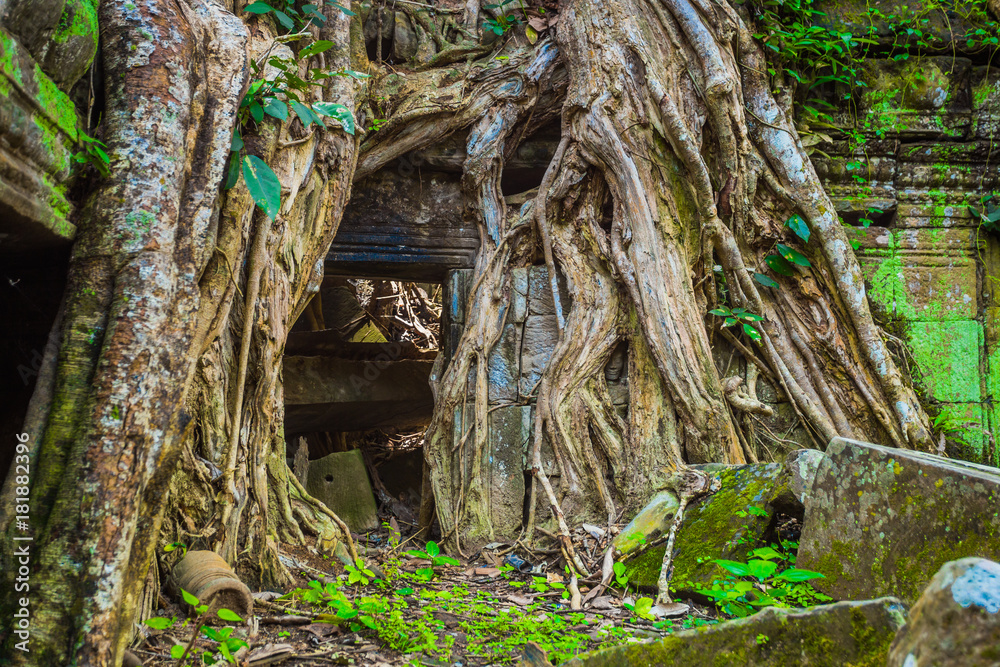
{"x":881,"y":521}
{"x":956,"y":622}
{"x":340,"y":481}
{"x":845,"y":633}
{"x":727,"y":524}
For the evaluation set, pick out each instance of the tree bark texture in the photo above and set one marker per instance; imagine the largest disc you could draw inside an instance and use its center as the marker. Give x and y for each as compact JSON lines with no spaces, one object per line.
{"x":163,"y":422}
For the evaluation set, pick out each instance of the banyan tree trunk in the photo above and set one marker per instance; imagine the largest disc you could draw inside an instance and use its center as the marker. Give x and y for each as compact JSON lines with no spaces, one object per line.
{"x":162,"y":419}
{"x":674,"y":159}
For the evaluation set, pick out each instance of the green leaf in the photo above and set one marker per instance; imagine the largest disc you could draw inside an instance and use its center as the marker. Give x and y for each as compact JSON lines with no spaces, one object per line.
{"x":720,"y":312}
{"x":750,"y":331}
{"x":337,"y":111}
{"x":445,"y":560}
{"x":258,"y":8}
{"x":176,"y":651}
{"x":159,"y":623}
{"x":237,"y":145}
{"x":343,"y":9}
{"x":190,"y":599}
{"x":319,"y":46}
{"x":276,"y":108}
{"x":735,"y":567}
{"x":257,"y":112}
{"x":229,"y":615}
{"x":433,"y":549}
{"x":233,"y":172}
{"x":766,"y":281}
{"x":793,"y":256}
{"x":779,"y":265}
{"x":795,"y":574}
{"x":285,"y":20}
{"x":264,"y":186}
{"x":761,"y":569}
{"x":767,"y":553}
{"x":799,"y":226}
{"x":305,"y":114}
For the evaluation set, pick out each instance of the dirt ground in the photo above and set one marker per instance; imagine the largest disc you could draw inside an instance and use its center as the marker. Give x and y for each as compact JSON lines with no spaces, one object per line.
{"x":479,"y":612}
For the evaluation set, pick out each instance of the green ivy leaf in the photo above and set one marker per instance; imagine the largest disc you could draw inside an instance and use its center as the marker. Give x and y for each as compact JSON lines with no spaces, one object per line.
{"x":793,"y":256}
{"x":159,"y":623}
{"x":338,"y":112}
{"x":319,"y":46}
{"x":799,"y":226}
{"x":233,"y":172}
{"x":795,"y":574}
{"x":264,"y":186}
{"x":285,"y":20}
{"x":229,"y":615}
{"x":276,"y":108}
{"x":779,"y":265}
{"x":345,"y":10}
{"x":766,"y":281}
{"x":257,"y":112}
{"x":305,"y":114}
{"x":258,"y":8}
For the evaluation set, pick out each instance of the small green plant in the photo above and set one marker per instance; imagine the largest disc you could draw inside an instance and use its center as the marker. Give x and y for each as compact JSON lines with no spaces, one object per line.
{"x":738,"y":316}
{"x":762,"y":640}
{"x":620,"y":577}
{"x":504,"y":21}
{"x":92,"y":152}
{"x":358,"y":573}
{"x":226,"y":644}
{"x":431,"y":552}
{"x":641,"y":608}
{"x":173,"y":546}
{"x":758,"y":583}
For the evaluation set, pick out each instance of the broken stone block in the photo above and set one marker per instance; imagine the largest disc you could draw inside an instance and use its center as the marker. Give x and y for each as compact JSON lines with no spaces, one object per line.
{"x":648,"y":525}
{"x":956,"y":622}
{"x":540,"y":301}
{"x":802,"y":465}
{"x":541,"y":333}
{"x":510,"y":429}
{"x":845,"y":633}
{"x":504,"y":366}
{"x":727,"y":524}
{"x":340,"y":482}
{"x":880,"y":521}
{"x":519,"y":294}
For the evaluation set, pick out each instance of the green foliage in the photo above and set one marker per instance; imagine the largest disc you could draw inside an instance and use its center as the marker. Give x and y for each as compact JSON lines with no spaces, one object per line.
{"x":504,"y":20}
{"x":226,"y":644}
{"x":432,"y":553}
{"x":285,"y":91}
{"x":758,"y":583}
{"x":92,"y":152}
{"x":263,"y":184}
{"x":620,"y":577}
{"x":738,"y":316}
{"x":642,"y":608}
{"x":358,"y":573}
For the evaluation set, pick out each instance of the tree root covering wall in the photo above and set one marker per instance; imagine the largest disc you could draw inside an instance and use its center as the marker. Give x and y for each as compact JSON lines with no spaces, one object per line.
{"x":675,"y":173}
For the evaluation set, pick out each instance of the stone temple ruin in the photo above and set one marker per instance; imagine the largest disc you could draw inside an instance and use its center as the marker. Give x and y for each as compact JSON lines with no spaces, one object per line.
{"x":933,"y":275}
